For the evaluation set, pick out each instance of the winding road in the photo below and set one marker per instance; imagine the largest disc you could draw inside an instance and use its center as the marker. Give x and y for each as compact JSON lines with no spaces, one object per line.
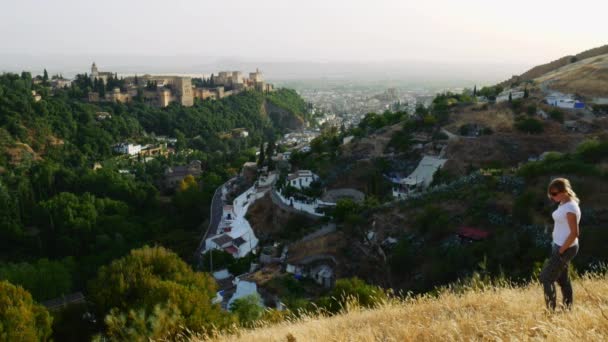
{"x":215,"y":216}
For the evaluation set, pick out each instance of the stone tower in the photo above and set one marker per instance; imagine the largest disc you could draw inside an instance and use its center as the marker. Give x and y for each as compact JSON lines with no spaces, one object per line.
{"x":94,"y":71}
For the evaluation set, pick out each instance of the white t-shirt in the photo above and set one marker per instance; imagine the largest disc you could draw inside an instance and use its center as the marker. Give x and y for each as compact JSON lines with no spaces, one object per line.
{"x":561,"y":229}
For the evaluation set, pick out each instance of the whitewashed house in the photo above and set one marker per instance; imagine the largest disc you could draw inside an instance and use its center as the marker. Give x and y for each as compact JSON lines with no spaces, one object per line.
{"x":504,"y":96}
{"x":418,"y":180}
{"x":565,"y":101}
{"x":243,"y":289}
{"x":323,"y":275}
{"x":228,"y":213}
{"x":301,"y":179}
{"x":127,"y":148}
{"x":235,"y":234}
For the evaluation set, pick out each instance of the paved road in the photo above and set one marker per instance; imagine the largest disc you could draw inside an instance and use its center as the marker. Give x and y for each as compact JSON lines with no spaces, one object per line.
{"x":215,"y":212}
{"x":451,"y":136}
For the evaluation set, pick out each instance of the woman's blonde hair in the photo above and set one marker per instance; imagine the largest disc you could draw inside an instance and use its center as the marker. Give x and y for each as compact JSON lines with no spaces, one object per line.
{"x":562,"y":185}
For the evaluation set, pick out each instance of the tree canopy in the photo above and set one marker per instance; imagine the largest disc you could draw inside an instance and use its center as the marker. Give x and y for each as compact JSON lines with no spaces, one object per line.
{"x":152,"y":276}
{"x":20,"y":318}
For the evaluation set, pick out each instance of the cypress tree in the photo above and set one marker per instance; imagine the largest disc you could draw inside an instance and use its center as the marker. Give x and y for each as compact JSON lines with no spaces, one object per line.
{"x":261,"y":157}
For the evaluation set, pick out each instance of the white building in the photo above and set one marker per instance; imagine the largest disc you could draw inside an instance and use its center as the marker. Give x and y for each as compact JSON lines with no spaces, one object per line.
{"x":244,"y":289}
{"x":418,"y":180}
{"x":228,"y":213}
{"x":564,"y":101}
{"x":302,"y":179}
{"x":222,"y":274}
{"x":323,"y":275}
{"x":504,"y":96}
{"x":127,"y":148}
{"x":235,"y":234}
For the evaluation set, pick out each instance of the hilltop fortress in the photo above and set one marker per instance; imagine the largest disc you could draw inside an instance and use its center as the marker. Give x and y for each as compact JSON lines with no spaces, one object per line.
{"x":161,"y":90}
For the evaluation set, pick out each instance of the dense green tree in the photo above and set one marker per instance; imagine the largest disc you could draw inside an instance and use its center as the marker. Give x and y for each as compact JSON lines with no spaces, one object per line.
{"x":163,"y":322}
{"x":191,"y":202}
{"x":262,"y":156}
{"x":69,"y":219}
{"x":10,"y":224}
{"x":44,"y":279}
{"x":350,"y":290}
{"x":432,"y":222}
{"x":345,"y":208}
{"x":182,"y":142}
{"x":21,"y":319}
{"x":529,"y":125}
{"x":151,"y":276}
{"x":248,"y":309}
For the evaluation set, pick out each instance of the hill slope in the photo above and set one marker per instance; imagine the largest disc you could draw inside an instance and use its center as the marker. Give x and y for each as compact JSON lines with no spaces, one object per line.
{"x":493,"y":314}
{"x":588,"y":77}
{"x":540,"y":70}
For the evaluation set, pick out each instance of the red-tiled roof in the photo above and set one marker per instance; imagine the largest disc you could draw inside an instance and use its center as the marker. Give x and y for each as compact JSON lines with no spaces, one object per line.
{"x":231,"y":250}
{"x":222,"y":240}
{"x":473,"y":233}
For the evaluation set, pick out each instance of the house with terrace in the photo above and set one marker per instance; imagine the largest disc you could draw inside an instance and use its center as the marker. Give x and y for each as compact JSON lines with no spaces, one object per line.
{"x":418,"y":180}
{"x":301,"y":179}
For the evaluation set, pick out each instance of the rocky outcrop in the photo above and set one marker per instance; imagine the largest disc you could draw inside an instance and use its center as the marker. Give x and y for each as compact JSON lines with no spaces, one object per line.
{"x":282,"y":118}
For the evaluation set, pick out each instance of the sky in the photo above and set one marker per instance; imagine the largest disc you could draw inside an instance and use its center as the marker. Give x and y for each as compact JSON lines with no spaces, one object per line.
{"x":515,"y":33}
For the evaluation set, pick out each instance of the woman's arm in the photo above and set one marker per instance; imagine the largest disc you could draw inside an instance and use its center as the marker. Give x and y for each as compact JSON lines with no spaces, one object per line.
{"x":572,"y":223}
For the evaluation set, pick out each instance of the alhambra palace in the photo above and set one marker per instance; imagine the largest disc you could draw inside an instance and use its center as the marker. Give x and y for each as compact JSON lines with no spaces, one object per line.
{"x":162,"y":90}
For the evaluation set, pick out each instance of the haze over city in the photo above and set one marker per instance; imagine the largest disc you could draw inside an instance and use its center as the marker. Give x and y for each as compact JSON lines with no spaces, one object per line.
{"x":332,"y":39}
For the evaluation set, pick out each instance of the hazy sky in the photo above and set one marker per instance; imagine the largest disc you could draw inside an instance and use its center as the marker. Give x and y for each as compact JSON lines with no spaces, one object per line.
{"x":525,"y":32}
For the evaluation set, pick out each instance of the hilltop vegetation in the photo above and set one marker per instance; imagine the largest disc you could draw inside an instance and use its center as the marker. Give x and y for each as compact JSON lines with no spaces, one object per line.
{"x":61,"y":219}
{"x":481,"y":312}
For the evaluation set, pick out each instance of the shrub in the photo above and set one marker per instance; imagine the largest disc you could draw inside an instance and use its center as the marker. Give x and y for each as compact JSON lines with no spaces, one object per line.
{"x":531,"y":110}
{"x":530,"y":125}
{"x":353,"y":291}
{"x":248,"y":309}
{"x":556,"y":115}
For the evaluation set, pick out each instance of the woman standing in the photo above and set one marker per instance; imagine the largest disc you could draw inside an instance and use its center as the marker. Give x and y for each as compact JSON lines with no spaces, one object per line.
{"x":565,"y":242}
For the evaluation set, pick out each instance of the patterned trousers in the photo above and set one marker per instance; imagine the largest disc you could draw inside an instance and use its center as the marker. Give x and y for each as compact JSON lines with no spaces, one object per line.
{"x":556,"y":270}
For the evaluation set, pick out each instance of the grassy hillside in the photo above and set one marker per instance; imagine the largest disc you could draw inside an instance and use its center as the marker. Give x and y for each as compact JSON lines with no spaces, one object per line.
{"x":540,"y":70}
{"x":588,"y":77}
{"x":490,"y":313}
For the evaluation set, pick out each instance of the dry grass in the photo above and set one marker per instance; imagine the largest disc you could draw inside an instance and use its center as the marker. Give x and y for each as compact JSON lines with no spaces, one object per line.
{"x":327,"y":244}
{"x":371,"y":146}
{"x":496,"y":314}
{"x":499,"y":119}
{"x":588,"y":77}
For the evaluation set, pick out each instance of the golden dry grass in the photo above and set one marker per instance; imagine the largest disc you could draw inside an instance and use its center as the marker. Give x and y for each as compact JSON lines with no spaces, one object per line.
{"x":327,"y":244}
{"x":497,"y":314}
{"x":588,"y":77}
{"x":499,"y":119}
